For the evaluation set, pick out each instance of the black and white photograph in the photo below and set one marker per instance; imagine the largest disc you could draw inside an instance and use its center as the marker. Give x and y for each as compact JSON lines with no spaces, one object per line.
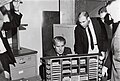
{"x":59,"y":40}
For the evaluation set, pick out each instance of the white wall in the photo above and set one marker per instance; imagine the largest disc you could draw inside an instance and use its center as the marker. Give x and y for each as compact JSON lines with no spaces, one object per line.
{"x":67,"y":11}
{"x":32,"y":15}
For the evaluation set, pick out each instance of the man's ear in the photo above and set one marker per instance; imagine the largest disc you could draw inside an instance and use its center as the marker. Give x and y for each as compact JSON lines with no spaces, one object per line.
{"x":1,"y":20}
{"x":88,"y":18}
{"x":53,"y":46}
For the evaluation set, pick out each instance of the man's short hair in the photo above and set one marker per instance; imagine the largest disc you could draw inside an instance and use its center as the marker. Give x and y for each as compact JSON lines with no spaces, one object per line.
{"x":102,"y":9}
{"x":84,"y":13}
{"x":58,"y":39}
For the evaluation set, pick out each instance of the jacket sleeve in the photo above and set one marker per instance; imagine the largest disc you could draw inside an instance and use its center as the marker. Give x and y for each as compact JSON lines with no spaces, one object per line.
{"x":14,"y":23}
{"x":103,"y":37}
{"x":78,"y":46}
{"x":108,"y":61}
{"x":67,"y":50}
{"x":1,"y":68}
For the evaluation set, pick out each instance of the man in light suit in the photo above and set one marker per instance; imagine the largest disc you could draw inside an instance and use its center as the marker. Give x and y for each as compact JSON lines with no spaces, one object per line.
{"x":83,"y":40}
{"x":114,"y":57}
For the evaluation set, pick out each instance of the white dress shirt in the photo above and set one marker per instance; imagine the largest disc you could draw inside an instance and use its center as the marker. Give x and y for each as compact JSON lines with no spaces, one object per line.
{"x":95,"y":50}
{"x":2,"y":47}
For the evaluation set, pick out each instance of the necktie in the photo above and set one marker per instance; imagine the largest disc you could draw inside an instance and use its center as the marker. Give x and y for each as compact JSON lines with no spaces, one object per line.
{"x":91,"y":39}
{"x":59,"y":55}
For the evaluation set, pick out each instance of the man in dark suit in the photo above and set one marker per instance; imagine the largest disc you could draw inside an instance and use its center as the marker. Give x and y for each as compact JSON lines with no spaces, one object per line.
{"x":88,"y":37}
{"x":59,"y":48}
{"x":13,"y":21}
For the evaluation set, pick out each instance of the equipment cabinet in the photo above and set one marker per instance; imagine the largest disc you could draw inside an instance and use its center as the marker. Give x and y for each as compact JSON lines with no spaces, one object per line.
{"x":72,"y":67}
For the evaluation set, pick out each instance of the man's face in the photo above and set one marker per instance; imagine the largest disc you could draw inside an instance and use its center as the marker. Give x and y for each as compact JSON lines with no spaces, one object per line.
{"x":114,"y":10}
{"x":83,"y":21}
{"x":16,"y":4}
{"x":7,"y":6}
{"x":102,"y":15}
{"x":59,"y":47}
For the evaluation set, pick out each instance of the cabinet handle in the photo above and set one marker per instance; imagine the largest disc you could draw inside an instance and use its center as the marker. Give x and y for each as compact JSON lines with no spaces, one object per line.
{"x":22,"y":62}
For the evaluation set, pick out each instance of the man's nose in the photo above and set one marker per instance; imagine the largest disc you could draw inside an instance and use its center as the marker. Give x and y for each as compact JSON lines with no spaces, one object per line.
{"x":61,"y":48}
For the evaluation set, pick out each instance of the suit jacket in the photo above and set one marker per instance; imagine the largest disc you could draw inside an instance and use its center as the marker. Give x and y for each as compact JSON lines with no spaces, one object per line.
{"x":81,"y":39}
{"x":52,"y":52}
{"x":104,"y":35}
{"x":8,"y":57}
{"x":8,"y":48}
{"x":115,"y":47}
{"x":107,"y":20}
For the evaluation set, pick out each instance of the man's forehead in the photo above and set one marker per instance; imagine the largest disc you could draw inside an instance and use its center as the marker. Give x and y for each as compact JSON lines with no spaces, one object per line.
{"x":82,"y":18}
{"x":60,"y":43}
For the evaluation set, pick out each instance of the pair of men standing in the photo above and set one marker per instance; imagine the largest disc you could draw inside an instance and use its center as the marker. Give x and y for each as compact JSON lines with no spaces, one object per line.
{"x":113,"y":60}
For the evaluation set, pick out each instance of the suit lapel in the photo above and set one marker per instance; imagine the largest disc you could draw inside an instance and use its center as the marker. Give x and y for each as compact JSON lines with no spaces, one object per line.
{"x":8,"y":48}
{"x":96,"y":27}
{"x":85,"y":39}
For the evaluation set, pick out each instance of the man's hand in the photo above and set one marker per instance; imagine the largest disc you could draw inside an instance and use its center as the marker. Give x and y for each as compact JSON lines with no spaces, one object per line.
{"x":104,"y":71}
{"x":7,"y":75}
{"x":103,"y":55}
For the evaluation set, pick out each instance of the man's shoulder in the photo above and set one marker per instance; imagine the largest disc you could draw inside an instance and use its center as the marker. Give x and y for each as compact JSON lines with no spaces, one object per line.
{"x":67,"y":50}
{"x":50,"y":52}
{"x":79,"y":28}
{"x":95,"y":18}
{"x":96,"y":21}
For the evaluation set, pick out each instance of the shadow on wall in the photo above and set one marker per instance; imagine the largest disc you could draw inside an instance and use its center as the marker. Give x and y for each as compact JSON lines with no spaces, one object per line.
{"x":49,"y":18}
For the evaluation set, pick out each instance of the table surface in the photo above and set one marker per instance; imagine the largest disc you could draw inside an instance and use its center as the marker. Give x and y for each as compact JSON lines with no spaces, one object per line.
{"x":23,"y":51}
